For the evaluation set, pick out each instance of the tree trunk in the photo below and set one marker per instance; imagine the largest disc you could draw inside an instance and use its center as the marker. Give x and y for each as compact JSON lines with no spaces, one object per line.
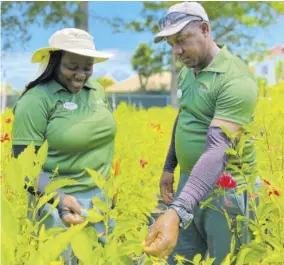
{"x":174,"y":82}
{"x":81,"y":20}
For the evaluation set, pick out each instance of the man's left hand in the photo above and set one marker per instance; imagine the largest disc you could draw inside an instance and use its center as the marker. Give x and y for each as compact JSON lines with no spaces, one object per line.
{"x":163,"y":235}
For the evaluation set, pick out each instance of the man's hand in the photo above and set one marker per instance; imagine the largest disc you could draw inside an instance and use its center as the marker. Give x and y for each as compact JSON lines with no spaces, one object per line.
{"x":166,"y":187}
{"x":71,"y":212}
{"x":163,"y":236}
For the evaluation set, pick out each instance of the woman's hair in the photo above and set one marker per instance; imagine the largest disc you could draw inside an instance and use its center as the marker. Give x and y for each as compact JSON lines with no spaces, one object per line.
{"x":49,"y":72}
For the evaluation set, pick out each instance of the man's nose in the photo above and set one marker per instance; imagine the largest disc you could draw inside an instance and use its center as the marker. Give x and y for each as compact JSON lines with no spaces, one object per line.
{"x":177,"y":49}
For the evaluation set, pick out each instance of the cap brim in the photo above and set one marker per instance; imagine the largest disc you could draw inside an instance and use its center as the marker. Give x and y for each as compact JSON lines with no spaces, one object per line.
{"x":43,"y":53}
{"x":170,"y":31}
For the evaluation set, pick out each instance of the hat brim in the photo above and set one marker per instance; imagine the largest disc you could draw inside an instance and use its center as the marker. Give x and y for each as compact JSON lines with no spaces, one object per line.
{"x":41,"y":54}
{"x":170,"y":31}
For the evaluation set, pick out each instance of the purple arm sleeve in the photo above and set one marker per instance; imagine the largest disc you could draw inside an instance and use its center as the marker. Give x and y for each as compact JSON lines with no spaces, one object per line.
{"x":43,"y":178}
{"x":171,"y":160}
{"x":206,"y":171}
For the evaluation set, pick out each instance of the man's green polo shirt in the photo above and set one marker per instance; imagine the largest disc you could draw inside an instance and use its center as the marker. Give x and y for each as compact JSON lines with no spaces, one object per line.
{"x":224,"y":90}
{"x":79,"y":128}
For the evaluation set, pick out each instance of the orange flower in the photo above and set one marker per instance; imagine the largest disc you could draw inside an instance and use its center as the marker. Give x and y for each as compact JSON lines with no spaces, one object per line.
{"x":143,"y":163}
{"x":115,"y":167}
{"x":156,"y":126}
{"x":8,"y":120}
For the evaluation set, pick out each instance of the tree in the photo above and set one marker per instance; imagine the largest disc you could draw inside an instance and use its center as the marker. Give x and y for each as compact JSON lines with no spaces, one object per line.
{"x":146,"y":62}
{"x":105,"y":81}
{"x":17,"y":16}
{"x":279,"y":71}
{"x":232,"y":23}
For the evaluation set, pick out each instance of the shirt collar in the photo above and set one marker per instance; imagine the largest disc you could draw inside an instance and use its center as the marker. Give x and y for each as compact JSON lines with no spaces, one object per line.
{"x":56,"y":87}
{"x":220,"y":63}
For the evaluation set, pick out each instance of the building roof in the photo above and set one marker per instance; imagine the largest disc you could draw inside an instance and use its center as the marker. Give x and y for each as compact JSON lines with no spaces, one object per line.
{"x":277,"y":50}
{"x":156,"y":82}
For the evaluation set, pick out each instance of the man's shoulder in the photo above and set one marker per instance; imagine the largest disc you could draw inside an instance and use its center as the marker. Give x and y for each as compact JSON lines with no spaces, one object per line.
{"x":237,"y":68}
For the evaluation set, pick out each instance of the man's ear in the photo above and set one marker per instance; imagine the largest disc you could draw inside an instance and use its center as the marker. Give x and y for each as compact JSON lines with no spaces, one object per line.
{"x":205,"y":28}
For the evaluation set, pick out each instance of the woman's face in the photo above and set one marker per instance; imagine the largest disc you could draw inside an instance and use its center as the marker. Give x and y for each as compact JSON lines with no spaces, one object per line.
{"x":74,"y":70}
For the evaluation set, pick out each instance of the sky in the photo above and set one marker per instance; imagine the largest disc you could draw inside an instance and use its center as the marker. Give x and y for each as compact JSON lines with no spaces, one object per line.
{"x":17,"y":70}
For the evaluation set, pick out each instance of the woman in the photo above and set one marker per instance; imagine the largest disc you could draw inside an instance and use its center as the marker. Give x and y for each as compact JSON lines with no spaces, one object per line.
{"x":69,"y":110}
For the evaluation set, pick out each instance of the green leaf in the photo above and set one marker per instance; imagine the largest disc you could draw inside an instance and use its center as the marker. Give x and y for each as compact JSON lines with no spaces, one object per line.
{"x":197,"y":258}
{"x":131,"y":246}
{"x":231,"y":151}
{"x":42,"y":234}
{"x":228,"y":218}
{"x":227,"y":132}
{"x":227,"y":260}
{"x":100,"y":204}
{"x":52,"y":248}
{"x":59,"y":183}
{"x":9,"y":232}
{"x":44,"y":199}
{"x":82,"y":245}
{"x":94,"y":217}
{"x":42,"y":154}
{"x":241,"y":145}
{"x":241,"y":255}
{"x":97,"y":178}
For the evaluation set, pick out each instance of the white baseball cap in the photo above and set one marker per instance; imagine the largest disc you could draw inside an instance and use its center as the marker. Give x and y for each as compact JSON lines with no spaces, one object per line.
{"x":178,"y":16}
{"x":72,"y":40}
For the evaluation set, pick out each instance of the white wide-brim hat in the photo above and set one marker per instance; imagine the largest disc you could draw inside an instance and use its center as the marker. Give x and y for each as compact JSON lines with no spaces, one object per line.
{"x":72,"y":40}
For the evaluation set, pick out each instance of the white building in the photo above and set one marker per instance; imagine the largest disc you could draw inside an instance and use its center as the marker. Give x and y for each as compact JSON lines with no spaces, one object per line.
{"x":266,"y":68}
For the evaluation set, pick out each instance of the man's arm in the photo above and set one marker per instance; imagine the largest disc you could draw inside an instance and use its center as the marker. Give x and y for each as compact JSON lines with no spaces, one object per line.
{"x":171,"y":160}
{"x":208,"y":168}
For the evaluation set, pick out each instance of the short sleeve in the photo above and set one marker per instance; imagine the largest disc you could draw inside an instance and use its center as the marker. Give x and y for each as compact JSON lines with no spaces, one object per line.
{"x":236,"y":101}
{"x":30,"y":121}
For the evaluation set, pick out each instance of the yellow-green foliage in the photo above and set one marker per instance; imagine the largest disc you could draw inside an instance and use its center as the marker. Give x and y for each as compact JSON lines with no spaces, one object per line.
{"x":142,"y":142}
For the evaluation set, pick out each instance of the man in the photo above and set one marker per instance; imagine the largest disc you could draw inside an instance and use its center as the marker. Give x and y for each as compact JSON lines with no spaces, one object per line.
{"x":215,"y":90}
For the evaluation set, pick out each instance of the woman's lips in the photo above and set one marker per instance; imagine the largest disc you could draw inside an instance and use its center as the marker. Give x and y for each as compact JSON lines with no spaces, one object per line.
{"x":77,"y":84}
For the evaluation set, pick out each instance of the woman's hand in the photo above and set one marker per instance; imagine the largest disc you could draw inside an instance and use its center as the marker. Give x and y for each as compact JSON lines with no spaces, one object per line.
{"x":70,"y":210}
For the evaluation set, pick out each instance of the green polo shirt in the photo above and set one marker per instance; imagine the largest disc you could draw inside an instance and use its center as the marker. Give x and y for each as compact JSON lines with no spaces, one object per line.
{"x":79,"y":128}
{"x":224,"y":90}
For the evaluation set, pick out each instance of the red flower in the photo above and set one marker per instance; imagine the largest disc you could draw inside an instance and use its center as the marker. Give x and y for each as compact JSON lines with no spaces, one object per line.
{"x":272,"y":190}
{"x":5,"y":138}
{"x":226,"y":181}
{"x":228,"y":203}
{"x":266,"y":182}
{"x":8,"y":120}
{"x":143,"y":163}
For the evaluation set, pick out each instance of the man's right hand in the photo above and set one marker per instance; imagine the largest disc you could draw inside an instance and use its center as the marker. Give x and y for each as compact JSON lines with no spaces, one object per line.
{"x":71,"y":210}
{"x":166,"y":187}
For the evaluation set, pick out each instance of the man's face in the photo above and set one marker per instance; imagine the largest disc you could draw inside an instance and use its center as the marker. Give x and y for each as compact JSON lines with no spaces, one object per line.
{"x":191,"y":44}
{"x":74,"y":70}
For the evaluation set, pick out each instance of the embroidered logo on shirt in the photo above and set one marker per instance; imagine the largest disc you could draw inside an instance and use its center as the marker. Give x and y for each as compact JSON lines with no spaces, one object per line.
{"x":179,"y":93}
{"x":203,"y":89}
{"x":70,"y":105}
{"x":99,"y":101}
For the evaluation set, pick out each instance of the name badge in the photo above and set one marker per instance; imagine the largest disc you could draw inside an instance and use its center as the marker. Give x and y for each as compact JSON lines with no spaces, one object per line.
{"x":70,"y":105}
{"x":179,"y":93}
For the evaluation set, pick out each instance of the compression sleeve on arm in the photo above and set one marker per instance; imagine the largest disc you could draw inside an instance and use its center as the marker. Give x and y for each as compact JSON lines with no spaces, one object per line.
{"x":171,"y":160}
{"x":206,"y":171}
